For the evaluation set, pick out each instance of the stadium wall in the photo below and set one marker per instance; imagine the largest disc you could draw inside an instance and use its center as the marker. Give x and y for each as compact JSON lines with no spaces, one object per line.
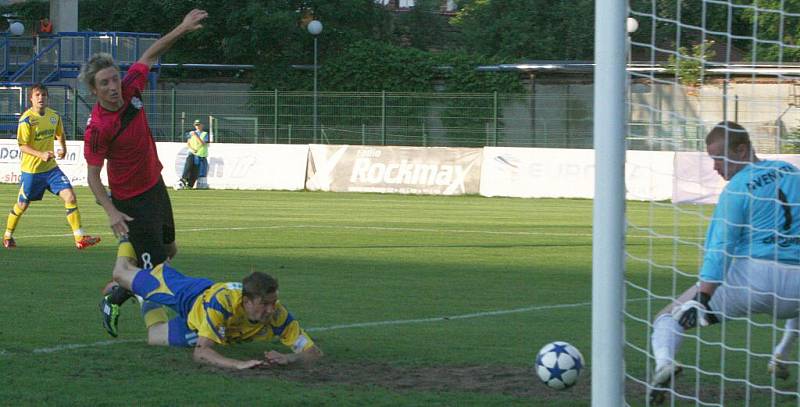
{"x":683,"y":177}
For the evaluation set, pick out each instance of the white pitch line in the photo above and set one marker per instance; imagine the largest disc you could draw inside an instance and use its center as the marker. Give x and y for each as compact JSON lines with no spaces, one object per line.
{"x":71,"y":346}
{"x":437,"y":319}
{"x":380,"y":228}
{"x":65,"y":347}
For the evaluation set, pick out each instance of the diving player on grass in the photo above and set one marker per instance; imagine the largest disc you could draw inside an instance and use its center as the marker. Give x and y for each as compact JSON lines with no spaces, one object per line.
{"x":209,"y":313}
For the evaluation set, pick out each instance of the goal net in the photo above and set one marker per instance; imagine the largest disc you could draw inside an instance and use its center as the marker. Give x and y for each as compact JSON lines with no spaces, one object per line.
{"x":233,"y":129}
{"x":692,"y":65}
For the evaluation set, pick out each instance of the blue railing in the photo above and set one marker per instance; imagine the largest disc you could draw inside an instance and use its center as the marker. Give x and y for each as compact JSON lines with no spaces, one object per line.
{"x":125,"y":47}
{"x":43,"y":67}
{"x":49,"y":58}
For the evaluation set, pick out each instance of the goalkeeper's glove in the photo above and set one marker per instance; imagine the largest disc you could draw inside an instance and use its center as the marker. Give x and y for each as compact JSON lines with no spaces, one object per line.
{"x":692,"y":312}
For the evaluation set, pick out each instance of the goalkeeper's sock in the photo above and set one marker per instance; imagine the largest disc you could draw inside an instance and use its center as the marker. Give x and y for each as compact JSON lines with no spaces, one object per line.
{"x":13,"y":219}
{"x":153,"y":313}
{"x":666,"y":339}
{"x":790,"y":332}
{"x":74,"y":220}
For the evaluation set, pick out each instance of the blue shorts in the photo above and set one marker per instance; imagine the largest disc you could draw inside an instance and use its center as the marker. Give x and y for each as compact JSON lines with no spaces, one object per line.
{"x":179,"y":333}
{"x":166,"y":286}
{"x":32,"y":186}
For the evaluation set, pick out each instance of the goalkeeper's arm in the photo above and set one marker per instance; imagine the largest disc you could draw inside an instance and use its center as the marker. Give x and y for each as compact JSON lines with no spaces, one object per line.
{"x":696,"y":310}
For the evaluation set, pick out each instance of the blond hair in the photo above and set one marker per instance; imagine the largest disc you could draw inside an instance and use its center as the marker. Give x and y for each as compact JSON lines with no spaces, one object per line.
{"x":95,"y":64}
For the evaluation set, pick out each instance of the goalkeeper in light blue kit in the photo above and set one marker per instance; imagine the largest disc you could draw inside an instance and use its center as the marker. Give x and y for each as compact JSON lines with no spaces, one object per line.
{"x":752,"y":251}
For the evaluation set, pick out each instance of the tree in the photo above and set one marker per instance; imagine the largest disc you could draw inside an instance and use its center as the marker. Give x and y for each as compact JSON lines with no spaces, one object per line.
{"x":776,"y":22}
{"x":689,"y":65}
{"x":537,"y":29}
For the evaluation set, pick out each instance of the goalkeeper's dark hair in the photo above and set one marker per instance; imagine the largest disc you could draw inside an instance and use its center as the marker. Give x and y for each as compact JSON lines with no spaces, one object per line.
{"x":259,"y":285}
{"x":732,"y":132}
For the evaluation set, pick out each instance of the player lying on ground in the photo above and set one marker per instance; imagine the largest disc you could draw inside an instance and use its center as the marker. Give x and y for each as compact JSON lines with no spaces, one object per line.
{"x":751,"y":250}
{"x":208,"y":313}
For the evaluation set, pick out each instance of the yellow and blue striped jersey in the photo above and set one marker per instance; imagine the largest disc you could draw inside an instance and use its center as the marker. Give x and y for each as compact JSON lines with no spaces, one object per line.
{"x":39,"y":132}
{"x":218,"y":314}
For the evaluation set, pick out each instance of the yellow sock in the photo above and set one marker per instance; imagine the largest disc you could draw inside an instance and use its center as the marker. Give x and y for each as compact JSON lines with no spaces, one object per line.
{"x":13,"y":218}
{"x":125,"y":249}
{"x":154,"y":314}
{"x":74,"y":220}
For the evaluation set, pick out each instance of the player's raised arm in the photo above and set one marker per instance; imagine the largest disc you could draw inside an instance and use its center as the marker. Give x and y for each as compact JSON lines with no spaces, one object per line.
{"x":191,"y":22}
{"x":204,"y":353}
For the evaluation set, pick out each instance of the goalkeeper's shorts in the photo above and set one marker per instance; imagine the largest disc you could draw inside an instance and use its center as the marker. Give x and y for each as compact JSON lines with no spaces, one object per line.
{"x":754,"y":286}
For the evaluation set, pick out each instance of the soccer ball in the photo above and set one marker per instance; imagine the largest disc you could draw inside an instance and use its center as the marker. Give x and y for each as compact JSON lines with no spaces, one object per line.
{"x":559,"y":364}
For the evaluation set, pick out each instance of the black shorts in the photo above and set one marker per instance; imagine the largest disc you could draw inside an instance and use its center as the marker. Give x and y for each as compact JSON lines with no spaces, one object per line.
{"x":152,"y":227}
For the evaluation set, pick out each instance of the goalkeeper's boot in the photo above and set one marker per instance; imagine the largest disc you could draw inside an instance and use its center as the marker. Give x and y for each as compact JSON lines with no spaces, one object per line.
{"x":110,"y":313}
{"x":9,"y":243}
{"x":778,"y":367}
{"x":661,"y":382}
{"x":87,"y":241}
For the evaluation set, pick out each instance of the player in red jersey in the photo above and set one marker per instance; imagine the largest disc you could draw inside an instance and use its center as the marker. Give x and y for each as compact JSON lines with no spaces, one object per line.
{"x":118,"y":132}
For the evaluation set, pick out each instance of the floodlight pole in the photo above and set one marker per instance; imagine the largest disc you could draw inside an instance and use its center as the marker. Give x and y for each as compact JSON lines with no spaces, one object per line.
{"x":315,"y":28}
{"x":608,"y":231}
{"x":315,"y":89}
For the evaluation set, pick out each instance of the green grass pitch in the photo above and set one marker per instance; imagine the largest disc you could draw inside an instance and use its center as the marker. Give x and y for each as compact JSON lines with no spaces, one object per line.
{"x":415,"y":300}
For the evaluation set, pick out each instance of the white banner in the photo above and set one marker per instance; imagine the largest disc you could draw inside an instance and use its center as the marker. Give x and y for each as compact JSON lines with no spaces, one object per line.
{"x":697,"y":182}
{"x":231,"y":166}
{"x":73,"y":165}
{"x":404,"y":170}
{"x":242,"y":166}
{"x":569,"y":173}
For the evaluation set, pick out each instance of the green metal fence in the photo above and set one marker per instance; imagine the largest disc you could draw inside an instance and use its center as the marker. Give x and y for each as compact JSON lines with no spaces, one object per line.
{"x":374,"y":118}
{"x":554,"y":117}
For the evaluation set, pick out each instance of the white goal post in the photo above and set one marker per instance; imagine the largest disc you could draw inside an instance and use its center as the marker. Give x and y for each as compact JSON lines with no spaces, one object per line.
{"x":609,"y":203}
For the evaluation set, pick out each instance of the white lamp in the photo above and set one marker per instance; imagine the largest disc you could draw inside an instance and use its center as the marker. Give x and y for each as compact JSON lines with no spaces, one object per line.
{"x":16,"y":28}
{"x":314,"y":27}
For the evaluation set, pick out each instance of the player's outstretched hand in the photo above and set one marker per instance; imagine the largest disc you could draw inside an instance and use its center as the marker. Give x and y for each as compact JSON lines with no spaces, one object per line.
{"x":61,"y":153}
{"x":276,"y":358}
{"x":249,"y":364}
{"x":192,"y":20}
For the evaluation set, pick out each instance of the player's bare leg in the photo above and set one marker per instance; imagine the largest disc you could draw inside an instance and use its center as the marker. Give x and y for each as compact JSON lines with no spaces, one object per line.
{"x":158,"y":334}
